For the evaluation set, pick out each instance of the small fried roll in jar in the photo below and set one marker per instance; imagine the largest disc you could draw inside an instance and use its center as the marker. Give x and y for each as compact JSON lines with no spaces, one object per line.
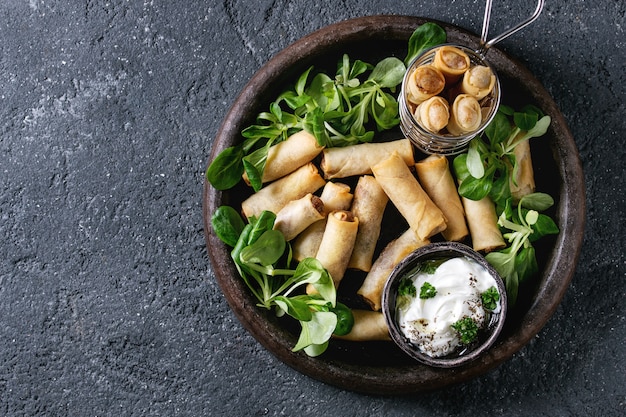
{"x":433,"y":114}
{"x":368,"y":206}
{"x":478,"y":81}
{"x":436,"y":179}
{"x":465,"y":115}
{"x":452,"y":62}
{"x":424,"y":82}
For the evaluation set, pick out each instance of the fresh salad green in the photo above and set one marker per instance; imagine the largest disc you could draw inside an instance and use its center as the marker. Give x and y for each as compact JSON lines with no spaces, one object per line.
{"x":487,"y":169}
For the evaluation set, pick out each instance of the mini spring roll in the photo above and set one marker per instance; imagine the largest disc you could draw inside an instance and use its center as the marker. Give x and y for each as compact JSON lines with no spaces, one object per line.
{"x":337,"y":244}
{"x":478,"y":81}
{"x":358,"y":159}
{"x":436,"y":179}
{"x":523,"y":179}
{"x":483,"y":224}
{"x":403,"y":189}
{"x":372,"y":288}
{"x":368,"y":206}
{"x":433,"y":114}
{"x":368,"y":326}
{"x":465,"y":115}
{"x":289,"y":155}
{"x":299,"y":214}
{"x":424,"y":82}
{"x":451,"y":61}
{"x":335,"y":196}
{"x":276,"y":195}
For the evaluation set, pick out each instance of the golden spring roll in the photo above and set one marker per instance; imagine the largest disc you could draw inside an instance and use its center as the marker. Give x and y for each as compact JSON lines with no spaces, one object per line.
{"x":368,"y":326}
{"x":299,"y":214}
{"x":436,"y":179}
{"x":358,"y":159}
{"x":451,"y":61}
{"x":277,"y":194}
{"x":423,"y":83}
{"x":483,"y":224}
{"x":433,"y":114}
{"x":522,"y":181}
{"x":337,"y":243}
{"x":289,"y":155}
{"x":372,"y":288}
{"x":335,"y":196}
{"x":368,"y":206}
{"x":405,"y":192}
{"x":478,"y":81}
{"x":465,"y":115}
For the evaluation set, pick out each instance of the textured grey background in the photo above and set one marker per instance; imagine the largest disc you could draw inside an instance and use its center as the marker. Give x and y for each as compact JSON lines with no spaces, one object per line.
{"x":108,"y":303}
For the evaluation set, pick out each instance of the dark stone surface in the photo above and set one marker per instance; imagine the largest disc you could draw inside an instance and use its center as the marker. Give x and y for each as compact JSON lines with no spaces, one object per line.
{"x":108,"y":304}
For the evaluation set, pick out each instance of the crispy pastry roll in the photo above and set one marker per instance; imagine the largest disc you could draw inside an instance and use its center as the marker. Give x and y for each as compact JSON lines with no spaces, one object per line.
{"x":368,"y":326}
{"x":403,"y":189}
{"x":483,"y":224}
{"x":433,"y":114}
{"x":368,"y":206}
{"x":424,"y":82}
{"x":451,"y":61}
{"x":465,"y":115}
{"x":299,"y":214}
{"x":335,"y":196}
{"x":372,"y":288}
{"x":478,"y":81}
{"x":289,"y":155}
{"x":523,"y":179}
{"x":273,"y":197}
{"x":337,"y":243}
{"x":358,"y":159}
{"x":436,"y":179}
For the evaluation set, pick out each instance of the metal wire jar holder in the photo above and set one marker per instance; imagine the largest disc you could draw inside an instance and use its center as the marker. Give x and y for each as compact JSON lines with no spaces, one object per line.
{"x":446,"y":143}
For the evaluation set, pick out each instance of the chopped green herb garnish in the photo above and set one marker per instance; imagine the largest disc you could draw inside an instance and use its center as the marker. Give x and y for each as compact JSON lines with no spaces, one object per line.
{"x":490,"y":298}
{"x":406,"y":288}
{"x":430,"y":266}
{"x":467,"y":330}
{"x":427,"y":291}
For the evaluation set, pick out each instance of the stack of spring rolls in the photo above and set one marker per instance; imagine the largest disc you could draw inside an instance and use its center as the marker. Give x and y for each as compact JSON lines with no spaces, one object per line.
{"x":316,"y":209}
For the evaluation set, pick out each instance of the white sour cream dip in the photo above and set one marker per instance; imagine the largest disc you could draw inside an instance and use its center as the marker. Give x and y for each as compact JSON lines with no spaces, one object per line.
{"x":428,"y":322}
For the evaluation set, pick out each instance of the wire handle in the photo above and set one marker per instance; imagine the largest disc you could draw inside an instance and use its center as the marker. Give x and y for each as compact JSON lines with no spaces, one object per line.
{"x":485,"y":45}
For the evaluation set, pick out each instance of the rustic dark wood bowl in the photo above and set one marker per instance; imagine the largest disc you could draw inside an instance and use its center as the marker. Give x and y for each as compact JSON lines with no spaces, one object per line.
{"x":381,"y":367}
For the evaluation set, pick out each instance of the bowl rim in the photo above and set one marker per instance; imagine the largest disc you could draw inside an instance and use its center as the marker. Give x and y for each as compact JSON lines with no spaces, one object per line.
{"x":437,"y":250}
{"x":371,"y":379}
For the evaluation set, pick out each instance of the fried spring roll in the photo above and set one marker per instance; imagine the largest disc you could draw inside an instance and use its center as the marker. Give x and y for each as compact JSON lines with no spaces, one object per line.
{"x":368,"y":326}
{"x":276,"y":195}
{"x":436,"y":179}
{"x":465,"y":115}
{"x":483,"y":224}
{"x":478,"y":81}
{"x":403,"y":189}
{"x":299,"y":214}
{"x":337,"y":244}
{"x":368,"y":206}
{"x":372,"y":288}
{"x":289,"y":155}
{"x":423,"y":83}
{"x":451,"y":61}
{"x":335,"y":196}
{"x":523,"y":179}
{"x":358,"y":159}
{"x":433,"y":114}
